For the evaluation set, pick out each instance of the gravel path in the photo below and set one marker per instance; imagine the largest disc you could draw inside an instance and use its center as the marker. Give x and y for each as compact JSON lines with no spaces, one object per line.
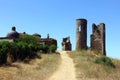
{"x":66,"y":70}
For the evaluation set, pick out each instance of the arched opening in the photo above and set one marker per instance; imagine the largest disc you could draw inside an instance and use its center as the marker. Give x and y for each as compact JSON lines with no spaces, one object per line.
{"x":79,"y":28}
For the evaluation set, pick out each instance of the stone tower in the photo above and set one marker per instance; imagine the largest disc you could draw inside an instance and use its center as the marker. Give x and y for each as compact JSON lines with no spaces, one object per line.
{"x":66,"y":44}
{"x":81,"y":34}
{"x":98,"y":38}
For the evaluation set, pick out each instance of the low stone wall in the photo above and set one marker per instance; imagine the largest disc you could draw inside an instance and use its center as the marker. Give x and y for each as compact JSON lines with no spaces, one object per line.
{"x":6,"y":39}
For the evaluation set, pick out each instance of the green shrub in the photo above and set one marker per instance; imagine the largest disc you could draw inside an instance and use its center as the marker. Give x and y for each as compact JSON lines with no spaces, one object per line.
{"x":12,"y":51}
{"x":23,"y":50}
{"x":48,"y":49}
{"x":52,"y":48}
{"x":4,"y":49}
{"x":40,"y":47}
{"x":33,"y":50}
{"x":3,"y":56}
{"x":105,"y":61}
{"x":28,"y":46}
{"x":45,"y":49}
{"x":28,"y":39}
{"x":25,"y":47}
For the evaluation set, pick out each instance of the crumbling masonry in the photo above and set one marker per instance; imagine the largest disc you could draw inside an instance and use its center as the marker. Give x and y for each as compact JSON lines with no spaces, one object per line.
{"x":81,"y":34}
{"x":97,"y":42}
{"x":66,"y":44}
{"x":98,"y":38}
{"x":13,"y":35}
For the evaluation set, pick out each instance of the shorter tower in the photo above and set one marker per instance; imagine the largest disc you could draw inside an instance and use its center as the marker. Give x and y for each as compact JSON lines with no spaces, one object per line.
{"x":81,"y":34}
{"x":98,"y":38}
{"x":66,"y":44}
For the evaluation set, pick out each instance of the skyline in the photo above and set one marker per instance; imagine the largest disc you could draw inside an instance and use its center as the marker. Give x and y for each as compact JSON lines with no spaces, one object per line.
{"x":58,"y":18}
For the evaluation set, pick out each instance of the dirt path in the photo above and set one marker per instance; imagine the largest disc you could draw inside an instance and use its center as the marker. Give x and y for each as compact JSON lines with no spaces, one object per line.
{"x":66,"y":70}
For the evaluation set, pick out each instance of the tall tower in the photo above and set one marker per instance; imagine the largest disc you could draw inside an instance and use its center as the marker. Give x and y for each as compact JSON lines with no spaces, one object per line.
{"x":81,"y":34}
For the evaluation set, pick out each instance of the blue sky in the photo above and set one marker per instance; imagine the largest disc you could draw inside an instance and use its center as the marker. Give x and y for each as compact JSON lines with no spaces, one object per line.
{"x":58,"y":18}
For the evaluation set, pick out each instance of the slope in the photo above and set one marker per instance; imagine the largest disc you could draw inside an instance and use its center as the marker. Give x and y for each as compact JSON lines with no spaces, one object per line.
{"x":87,"y":69}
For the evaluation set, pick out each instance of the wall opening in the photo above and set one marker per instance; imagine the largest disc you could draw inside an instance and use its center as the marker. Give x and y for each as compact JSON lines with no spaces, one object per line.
{"x":79,"y":28}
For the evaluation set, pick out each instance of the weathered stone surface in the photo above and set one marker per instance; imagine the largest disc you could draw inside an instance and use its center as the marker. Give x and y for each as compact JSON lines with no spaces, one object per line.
{"x":98,"y":38}
{"x":81,"y":34}
{"x":6,"y":39}
{"x":46,"y":41}
{"x":50,"y":41}
{"x":66,"y":44}
{"x":13,"y":34}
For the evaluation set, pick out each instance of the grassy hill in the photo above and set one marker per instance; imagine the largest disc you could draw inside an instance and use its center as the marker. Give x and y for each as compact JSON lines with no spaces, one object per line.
{"x":36,"y":69}
{"x":95,"y":67}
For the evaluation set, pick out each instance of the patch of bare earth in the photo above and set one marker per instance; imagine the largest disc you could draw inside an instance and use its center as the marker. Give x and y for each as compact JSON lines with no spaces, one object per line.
{"x":66,"y":70}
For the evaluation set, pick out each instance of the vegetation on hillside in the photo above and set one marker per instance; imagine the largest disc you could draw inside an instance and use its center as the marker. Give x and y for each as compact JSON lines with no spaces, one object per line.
{"x":25,"y":47}
{"x":91,"y":66}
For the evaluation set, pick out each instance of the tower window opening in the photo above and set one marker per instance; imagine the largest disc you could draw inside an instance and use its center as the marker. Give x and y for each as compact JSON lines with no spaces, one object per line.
{"x":79,"y":28}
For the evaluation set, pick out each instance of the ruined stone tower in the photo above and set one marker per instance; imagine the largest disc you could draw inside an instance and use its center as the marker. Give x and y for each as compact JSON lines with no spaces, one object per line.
{"x":81,"y":34}
{"x":66,"y":44}
{"x":98,"y":38}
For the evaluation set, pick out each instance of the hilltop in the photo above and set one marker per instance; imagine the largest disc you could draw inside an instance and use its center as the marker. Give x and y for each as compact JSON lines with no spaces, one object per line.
{"x":87,"y":65}
{"x":90,"y":66}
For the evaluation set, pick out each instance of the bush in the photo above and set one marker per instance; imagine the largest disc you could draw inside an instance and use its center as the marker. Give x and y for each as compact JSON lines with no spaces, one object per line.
{"x":3,"y":56}
{"x":4,"y":49}
{"x":28,"y":39}
{"x":52,"y":48}
{"x":28,"y":46}
{"x":12,"y":51}
{"x":105,"y":61}
{"x":24,"y":47}
{"x":23,"y":50}
{"x":45,"y":49}
{"x":48,"y":49}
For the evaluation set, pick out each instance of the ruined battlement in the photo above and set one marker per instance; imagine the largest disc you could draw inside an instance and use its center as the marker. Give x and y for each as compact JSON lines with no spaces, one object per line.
{"x":98,"y":38}
{"x":66,"y":44}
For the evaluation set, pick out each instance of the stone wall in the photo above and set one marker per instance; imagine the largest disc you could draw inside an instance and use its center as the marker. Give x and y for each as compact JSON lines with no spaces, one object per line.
{"x":98,"y":38}
{"x":46,"y":41}
{"x":6,"y":39}
{"x":81,"y":34}
{"x":50,"y":41}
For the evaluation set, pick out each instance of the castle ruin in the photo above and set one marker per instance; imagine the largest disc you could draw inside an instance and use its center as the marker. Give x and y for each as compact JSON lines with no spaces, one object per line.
{"x":97,"y":41}
{"x":66,"y":44}
{"x":98,"y":38}
{"x":81,"y":34}
{"x":13,"y":35}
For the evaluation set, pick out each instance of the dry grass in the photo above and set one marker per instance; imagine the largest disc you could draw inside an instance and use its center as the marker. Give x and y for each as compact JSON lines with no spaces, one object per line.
{"x":86,"y":69}
{"x":37,"y":69}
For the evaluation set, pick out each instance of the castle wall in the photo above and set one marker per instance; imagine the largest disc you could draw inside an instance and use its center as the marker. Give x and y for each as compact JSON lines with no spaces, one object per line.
{"x":6,"y":39}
